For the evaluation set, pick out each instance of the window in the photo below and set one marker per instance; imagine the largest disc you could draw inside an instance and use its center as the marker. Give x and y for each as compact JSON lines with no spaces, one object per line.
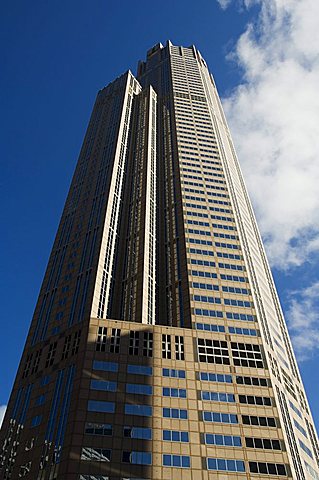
{"x":256,"y":381}
{"x":268,"y":468}
{"x":218,"y":397}
{"x":240,"y":316}
{"x":244,"y":331}
{"x":259,"y":421}
{"x":96,"y":454}
{"x":51,"y":354}
{"x":171,"y":372}
{"x":175,"y":436}
{"x":225,"y":465}
{"x":300,"y":428}
{"x":295,"y":409}
{"x":101,"y":339}
{"x":140,"y":410}
{"x":210,"y":327}
{"x":179,"y":347}
{"x":39,"y":400}
{"x":166,"y":346}
{"x":148,"y":344}
{"x":222,"y":440}
{"x":103,"y":385}
{"x":215,"y":377}
{"x":205,"y":299}
{"x":175,"y":413}
{"x":45,"y":380}
{"x":264,"y":443}
{"x":174,"y":392}
{"x":36,"y":420}
{"x":105,"y":366}
{"x":140,"y":370}
{"x":99,"y":429}
{"x":305,"y":448}
{"x":138,"y":432}
{"x":254,"y":400}
{"x":137,"y":458}
{"x":181,"y":461}
{"x":205,"y":286}
{"x":93,"y":477}
{"x":134,"y":342}
{"x":115,"y":340}
{"x":213,"y":351}
{"x":208,"y":313}
{"x":139,"y":389}
{"x":247,"y":355}
{"x":99,"y":406}
{"x":217,"y":417}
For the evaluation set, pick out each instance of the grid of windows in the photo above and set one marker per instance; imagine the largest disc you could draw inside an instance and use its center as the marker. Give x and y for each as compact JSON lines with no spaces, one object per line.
{"x":264,"y":443}
{"x":96,"y":454}
{"x":247,"y":355}
{"x":255,"y":400}
{"x":259,"y":421}
{"x":213,"y":351}
{"x":104,"y":429}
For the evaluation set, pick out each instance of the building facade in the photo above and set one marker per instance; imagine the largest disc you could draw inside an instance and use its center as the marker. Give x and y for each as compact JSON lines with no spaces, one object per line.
{"x":158,"y":348}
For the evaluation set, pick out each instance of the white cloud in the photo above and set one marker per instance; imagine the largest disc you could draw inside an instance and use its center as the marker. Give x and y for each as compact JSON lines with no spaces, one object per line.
{"x":274,"y":119}
{"x":2,"y":413}
{"x":224,"y":3}
{"x":303,"y":320}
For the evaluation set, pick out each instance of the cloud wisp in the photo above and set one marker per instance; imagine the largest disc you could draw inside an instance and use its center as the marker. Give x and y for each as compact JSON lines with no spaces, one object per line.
{"x":303,"y":321}
{"x":274,"y":118}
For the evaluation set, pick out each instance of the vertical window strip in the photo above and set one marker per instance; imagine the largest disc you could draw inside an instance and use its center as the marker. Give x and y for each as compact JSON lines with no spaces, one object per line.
{"x":54,"y":406}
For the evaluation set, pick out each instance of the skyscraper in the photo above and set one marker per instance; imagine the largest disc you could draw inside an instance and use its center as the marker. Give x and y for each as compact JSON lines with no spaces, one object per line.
{"x":158,"y":349}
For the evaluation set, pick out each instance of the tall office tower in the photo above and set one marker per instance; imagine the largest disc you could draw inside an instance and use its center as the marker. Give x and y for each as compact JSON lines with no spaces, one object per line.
{"x":158,"y":349}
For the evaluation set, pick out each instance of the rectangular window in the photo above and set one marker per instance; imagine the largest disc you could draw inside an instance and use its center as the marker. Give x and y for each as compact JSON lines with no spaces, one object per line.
{"x":175,"y":413}
{"x":147,"y":344}
{"x":39,"y":400}
{"x":175,"y":436}
{"x":268,"y":468}
{"x":134,"y":342}
{"x":179,"y":347}
{"x":103,"y":385}
{"x":137,"y":458}
{"x":140,"y":410}
{"x":256,"y":381}
{"x":179,"y":461}
{"x":264,"y":443}
{"x":174,"y":392}
{"x":138,"y":432}
{"x":225,"y":465}
{"x":139,"y":389}
{"x":140,"y":370}
{"x":222,"y":440}
{"x":99,"y":406}
{"x":254,"y":400}
{"x":208,"y":327}
{"x":218,"y":397}
{"x":215,"y":377}
{"x":171,"y":372}
{"x":217,"y":417}
{"x":115,"y":340}
{"x":101,"y":339}
{"x":96,"y":454}
{"x":104,"y":429}
{"x":166,"y":347}
{"x":259,"y":421}
{"x":36,"y":420}
{"x":105,"y":366}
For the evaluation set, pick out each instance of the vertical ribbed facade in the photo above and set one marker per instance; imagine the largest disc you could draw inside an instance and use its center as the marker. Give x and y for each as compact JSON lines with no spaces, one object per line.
{"x":158,"y":348}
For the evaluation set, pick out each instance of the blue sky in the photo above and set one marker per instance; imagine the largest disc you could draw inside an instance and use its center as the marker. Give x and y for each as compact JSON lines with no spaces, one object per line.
{"x":264,"y":56}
